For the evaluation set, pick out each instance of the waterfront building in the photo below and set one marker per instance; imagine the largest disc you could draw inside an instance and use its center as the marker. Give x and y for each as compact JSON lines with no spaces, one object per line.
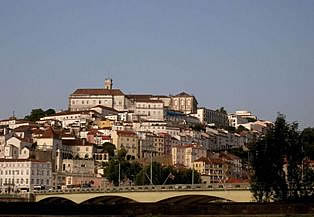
{"x":24,"y":175}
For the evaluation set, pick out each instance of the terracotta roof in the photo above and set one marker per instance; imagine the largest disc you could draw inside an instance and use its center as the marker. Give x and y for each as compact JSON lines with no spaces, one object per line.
{"x":229,"y":156}
{"x":113,"y":92}
{"x":216,"y":161}
{"x":203,"y":159}
{"x":183,"y":94}
{"x":23,"y":160}
{"x":148,"y":101}
{"x":22,"y":128}
{"x":105,"y":107}
{"x":49,"y":133}
{"x":94,"y":132}
{"x":70,"y":113}
{"x":126,"y":133}
{"x":139,"y":96}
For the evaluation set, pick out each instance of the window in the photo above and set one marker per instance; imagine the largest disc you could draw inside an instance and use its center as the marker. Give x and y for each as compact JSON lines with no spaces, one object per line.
{"x":26,"y":181}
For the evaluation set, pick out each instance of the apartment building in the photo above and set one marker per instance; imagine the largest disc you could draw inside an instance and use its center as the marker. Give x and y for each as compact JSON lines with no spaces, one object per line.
{"x":212,"y":117}
{"x":27,"y":175}
{"x":128,"y":140}
{"x":185,"y":155}
{"x":213,"y":170}
{"x":152,"y":110}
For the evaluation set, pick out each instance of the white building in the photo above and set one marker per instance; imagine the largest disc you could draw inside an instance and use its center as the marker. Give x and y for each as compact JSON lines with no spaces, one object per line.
{"x":211,"y":117}
{"x":152,"y":110}
{"x":74,"y":119}
{"x":246,"y":114}
{"x":236,"y":120}
{"x":16,"y":175}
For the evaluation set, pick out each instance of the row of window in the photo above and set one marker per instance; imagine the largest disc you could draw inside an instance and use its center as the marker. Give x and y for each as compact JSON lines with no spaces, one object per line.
{"x":159,"y":105}
{"x":95,"y":102}
{"x":8,"y":181}
{"x":21,"y":172}
{"x":19,"y":165}
{"x":91,"y":102}
{"x":144,"y":112}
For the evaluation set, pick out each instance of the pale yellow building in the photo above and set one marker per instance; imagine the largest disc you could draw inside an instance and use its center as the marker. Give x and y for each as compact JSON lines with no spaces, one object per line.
{"x":215,"y":169}
{"x":104,"y":123}
{"x":128,"y":140}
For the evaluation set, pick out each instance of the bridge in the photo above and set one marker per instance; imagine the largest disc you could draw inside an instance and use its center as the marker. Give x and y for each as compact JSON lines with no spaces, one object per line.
{"x":170,"y":194}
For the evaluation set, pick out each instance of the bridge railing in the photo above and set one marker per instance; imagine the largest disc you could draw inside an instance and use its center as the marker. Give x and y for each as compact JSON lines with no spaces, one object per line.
{"x":152,"y":188}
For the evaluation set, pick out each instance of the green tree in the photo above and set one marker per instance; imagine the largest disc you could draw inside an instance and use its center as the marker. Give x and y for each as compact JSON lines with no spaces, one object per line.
{"x":49,"y":112}
{"x":277,"y":163}
{"x":109,"y":147}
{"x":222,"y":110}
{"x":128,"y":170}
{"x":36,"y":114}
{"x":166,"y":175}
{"x":307,"y":137}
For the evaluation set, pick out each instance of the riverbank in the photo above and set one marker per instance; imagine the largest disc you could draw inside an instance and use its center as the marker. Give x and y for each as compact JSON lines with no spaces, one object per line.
{"x":160,"y":210}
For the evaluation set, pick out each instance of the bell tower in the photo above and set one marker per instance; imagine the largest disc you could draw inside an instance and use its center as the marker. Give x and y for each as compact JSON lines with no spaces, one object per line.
{"x":108,"y":83}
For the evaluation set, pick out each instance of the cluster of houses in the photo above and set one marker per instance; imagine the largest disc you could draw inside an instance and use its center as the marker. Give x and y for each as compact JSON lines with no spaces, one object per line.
{"x":66,"y":149}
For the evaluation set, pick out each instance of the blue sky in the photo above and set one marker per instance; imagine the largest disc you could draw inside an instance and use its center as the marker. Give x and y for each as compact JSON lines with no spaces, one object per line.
{"x":245,"y":54}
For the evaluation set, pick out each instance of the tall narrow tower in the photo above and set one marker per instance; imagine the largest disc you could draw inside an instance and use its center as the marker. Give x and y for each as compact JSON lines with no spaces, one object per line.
{"x":108,"y":83}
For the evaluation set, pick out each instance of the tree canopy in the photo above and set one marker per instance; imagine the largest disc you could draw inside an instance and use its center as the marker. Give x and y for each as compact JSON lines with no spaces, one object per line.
{"x":109,"y":147}
{"x":36,"y":114}
{"x":277,"y":164}
{"x":222,"y":110}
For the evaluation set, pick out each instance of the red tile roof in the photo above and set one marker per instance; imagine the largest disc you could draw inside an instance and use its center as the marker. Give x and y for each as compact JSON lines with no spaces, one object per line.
{"x":112,"y":92}
{"x":49,"y":133}
{"x":148,"y":101}
{"x":105,"y":107}
{"x":22,"y":160}
{"x":126,"y":133}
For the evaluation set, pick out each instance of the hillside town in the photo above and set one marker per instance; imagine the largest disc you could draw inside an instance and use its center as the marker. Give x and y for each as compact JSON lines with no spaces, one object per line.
{"x":66,"y":148}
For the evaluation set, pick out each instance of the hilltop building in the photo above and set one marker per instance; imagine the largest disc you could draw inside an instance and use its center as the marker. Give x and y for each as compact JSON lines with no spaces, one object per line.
{"x":85,"y":99}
